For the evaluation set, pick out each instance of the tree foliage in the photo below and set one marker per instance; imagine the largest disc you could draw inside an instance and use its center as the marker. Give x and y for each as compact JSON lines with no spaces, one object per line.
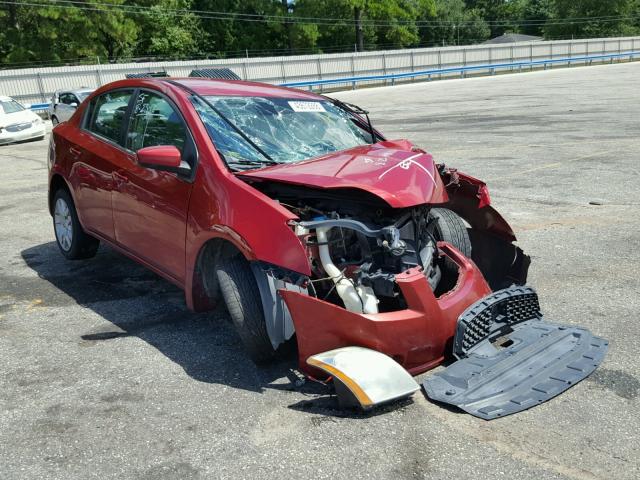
{"x":112,"y":30}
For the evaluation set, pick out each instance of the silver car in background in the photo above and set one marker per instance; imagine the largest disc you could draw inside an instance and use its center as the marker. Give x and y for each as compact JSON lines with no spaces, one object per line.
{"x":65,"y":102}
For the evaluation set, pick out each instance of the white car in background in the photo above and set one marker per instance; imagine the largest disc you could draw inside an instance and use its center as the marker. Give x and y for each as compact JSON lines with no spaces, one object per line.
{"x":17,"y":123}
{"x":65,"y":102}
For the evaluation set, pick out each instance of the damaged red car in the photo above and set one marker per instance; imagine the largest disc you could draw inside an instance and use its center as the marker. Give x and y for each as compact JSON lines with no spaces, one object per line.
{"x":313,"y":228}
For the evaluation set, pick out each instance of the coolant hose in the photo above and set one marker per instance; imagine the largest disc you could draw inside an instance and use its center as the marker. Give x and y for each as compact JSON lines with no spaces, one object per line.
{"x":355,"y":300}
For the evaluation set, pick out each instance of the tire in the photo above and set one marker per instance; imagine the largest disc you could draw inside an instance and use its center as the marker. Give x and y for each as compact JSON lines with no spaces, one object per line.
{"x":451,"y":229}
{"x":72,"y":240}
{"x":54,"y":121}
{"x":242,"y":297}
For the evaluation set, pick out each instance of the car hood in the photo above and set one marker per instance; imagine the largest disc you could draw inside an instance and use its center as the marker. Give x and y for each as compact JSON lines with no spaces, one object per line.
{"x":24,"y":116}
{"x":395,"y":171}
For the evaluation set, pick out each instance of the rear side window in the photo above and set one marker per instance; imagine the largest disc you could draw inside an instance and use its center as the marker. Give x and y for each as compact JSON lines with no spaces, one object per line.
{"x":155,"y":122}
{"x":108,"y":113}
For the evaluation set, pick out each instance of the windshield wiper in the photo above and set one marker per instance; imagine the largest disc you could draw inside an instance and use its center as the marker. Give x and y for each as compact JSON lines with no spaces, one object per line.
{"x":354,"y":109}
{"x":243,"y":161}
{"x":270,"y":160}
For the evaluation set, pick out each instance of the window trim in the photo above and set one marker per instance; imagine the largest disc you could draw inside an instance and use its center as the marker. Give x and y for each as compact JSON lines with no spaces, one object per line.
{"x":189,"y":140}
{"x":89,"y":114}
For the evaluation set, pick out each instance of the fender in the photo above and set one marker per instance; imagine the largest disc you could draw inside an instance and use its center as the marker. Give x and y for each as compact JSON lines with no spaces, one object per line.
{"x":219,"y":202}
{"x":56,"y":175}
{"x":197,"y":294}
{"x":469,"y":198}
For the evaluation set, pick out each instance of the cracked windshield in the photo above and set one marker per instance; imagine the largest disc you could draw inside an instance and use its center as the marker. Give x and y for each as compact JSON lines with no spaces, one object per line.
{"x":256,"y":130}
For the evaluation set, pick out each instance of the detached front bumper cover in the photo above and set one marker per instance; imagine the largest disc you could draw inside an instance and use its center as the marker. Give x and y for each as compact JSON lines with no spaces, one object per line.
{"x":510,"y":359}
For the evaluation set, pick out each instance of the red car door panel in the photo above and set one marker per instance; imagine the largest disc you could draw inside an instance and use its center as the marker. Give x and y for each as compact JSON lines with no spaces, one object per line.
{"x":150,"y":215}
{"x":92,"y":180}
{"x":150,"y":207}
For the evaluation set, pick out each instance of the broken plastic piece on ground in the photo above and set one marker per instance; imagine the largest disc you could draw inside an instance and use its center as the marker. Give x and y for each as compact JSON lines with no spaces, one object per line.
{"x":532,"y":364}
{"x":493,"y":315}
{"x":371,"y":377}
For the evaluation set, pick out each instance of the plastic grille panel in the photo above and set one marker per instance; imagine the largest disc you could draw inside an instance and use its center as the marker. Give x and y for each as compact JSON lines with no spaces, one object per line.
{"x":493,"y":314}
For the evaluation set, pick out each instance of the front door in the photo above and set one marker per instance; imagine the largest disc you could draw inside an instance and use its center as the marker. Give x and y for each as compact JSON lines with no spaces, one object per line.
{"x":150,"y":207}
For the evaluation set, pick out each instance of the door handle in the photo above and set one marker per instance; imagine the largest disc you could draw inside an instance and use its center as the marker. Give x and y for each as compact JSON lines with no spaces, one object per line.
{"x":75,"y":152}
{"x":120,"y":178}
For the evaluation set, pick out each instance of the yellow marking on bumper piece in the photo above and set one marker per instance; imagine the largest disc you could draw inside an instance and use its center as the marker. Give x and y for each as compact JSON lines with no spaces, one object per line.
{"x":360,"y":394}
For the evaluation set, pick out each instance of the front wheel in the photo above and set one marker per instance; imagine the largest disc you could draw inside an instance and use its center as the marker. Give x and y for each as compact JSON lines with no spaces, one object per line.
{"x":73,"y":242}
{"x":451,"y":229}
{"x":242,"y":297}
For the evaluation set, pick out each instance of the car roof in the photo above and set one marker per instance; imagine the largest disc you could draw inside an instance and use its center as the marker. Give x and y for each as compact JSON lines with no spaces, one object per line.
{"x":214,"y":87}
{"x":5,"y":98}
{"x":207,"y":86}
{"x":75,"y":90}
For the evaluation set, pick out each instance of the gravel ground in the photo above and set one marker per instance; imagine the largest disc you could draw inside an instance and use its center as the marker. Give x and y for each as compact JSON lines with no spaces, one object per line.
{"x":105,"y":374}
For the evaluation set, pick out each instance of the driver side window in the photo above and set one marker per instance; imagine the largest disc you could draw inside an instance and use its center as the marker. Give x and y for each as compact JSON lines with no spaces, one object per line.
{"x":155,"y":122}
{"x":68,"y":99}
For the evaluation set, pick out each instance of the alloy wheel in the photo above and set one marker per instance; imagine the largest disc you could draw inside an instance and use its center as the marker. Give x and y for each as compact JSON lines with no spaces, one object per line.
{"x":63,"y":224}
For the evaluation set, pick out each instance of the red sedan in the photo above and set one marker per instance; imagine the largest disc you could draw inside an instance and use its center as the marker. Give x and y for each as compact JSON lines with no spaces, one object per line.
{"x":304,"y":219}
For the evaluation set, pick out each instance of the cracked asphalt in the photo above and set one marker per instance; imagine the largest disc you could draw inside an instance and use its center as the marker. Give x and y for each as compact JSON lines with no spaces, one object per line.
{"x":105,"y":374}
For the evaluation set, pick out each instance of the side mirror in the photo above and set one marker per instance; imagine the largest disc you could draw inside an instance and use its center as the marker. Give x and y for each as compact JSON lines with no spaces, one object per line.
{"x":163,"y":157}
{"x":74,"y":105}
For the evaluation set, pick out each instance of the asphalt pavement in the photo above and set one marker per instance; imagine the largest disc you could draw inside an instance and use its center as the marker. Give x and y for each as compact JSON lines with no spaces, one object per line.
{"x":105,"y":374}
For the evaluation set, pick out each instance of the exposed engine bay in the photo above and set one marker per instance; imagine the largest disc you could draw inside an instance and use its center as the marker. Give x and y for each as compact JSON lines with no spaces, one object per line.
{"x":391,"y":290}
{"x":357,"y":246}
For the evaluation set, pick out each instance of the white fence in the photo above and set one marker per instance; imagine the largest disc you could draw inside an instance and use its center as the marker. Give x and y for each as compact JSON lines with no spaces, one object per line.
{"x":34,"y":85}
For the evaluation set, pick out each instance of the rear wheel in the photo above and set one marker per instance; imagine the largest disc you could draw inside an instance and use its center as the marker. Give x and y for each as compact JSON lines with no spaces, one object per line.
{"x":451,"y":229}
{"x":73,"y":242}
{"x":242,"y":297}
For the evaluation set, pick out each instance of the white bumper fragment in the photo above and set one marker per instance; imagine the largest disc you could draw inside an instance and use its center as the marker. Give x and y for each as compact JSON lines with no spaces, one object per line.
{"x":371,"y":377}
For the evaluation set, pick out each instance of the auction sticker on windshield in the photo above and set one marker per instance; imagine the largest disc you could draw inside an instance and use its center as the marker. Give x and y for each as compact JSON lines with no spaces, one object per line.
{"x":307,"y":107}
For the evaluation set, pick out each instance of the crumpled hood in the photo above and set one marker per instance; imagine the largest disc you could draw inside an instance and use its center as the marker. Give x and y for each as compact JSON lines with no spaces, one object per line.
{"x":393,"y":170}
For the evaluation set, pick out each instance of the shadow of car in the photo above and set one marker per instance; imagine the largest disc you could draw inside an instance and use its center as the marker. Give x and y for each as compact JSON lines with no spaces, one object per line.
{"x":204,"y":345}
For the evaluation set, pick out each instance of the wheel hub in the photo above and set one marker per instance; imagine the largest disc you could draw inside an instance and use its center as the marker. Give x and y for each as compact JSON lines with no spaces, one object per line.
{"x":63,"y":224}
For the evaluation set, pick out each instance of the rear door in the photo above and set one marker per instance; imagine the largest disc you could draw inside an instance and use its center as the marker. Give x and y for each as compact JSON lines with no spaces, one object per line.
{"x":96,"y":150}
{"x":150,"y":207}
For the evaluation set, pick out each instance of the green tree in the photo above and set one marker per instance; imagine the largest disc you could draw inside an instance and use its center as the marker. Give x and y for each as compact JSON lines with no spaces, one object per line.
{"x":162,"y":32}
{"x":534,"y":15}
{"x":54,"y":34}
{"x":339,"y":34}
{"x":364,"y":24}
{"x":625,"y":13}
{"x":265,"y":34}
{"x":453,"y":24}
